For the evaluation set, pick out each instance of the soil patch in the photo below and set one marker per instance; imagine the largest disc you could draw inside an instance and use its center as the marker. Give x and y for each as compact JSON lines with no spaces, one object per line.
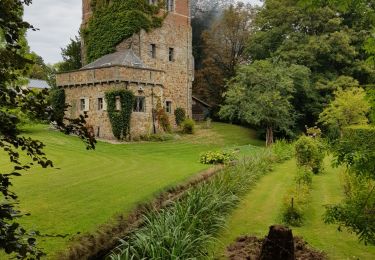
{"x":249,"y":247}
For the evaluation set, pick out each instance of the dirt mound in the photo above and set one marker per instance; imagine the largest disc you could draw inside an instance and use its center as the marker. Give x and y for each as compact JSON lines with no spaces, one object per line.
{"x":249,"y":248}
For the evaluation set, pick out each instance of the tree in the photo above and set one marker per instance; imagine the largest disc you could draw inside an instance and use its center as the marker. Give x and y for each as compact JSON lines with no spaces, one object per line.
{"x":356,"y":151}
{"x":349,"y":107}
{"x":13,"y":65}
{"x":260,"y":94}
{"x":327,"y":37}
{"x":71,"y":56}
{"x":224,"y":44}
{"x":203,"y":13}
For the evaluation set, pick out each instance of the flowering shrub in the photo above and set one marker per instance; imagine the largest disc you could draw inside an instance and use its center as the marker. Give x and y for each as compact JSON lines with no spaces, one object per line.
{"x":217,"y":157}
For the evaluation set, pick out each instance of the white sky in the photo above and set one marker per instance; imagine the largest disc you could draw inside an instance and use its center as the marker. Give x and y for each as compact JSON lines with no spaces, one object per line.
{"x":57,"y":21}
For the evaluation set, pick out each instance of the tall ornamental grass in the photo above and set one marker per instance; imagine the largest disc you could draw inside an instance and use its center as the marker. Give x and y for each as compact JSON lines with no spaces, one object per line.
{"x":185,"y":229}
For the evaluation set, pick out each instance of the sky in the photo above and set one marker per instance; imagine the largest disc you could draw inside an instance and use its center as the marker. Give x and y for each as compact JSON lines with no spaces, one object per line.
{"x":58,"y":21}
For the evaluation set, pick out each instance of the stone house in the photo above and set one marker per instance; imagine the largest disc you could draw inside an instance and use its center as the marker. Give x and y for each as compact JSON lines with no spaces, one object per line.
{"x":157,"y":66}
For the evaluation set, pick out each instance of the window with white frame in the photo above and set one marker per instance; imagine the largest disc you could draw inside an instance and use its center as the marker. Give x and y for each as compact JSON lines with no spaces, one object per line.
{"x":100,"y":104}
{"x":139,"y":104}
{"x":168,"y":107}
{"x":118,"y":103}
{"x":84,"y":104}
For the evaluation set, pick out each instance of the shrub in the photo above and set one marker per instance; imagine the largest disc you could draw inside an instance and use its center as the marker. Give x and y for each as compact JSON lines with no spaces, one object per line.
{"x":157,"y":137}
{"x":304,"y":176}
{"x":188,"y":126}
{"x":217,"y":157}
{"x":283,"y":150}
{"x":294,"y":206}
{"x":180,"y":115}
{"x":57,"y":99}
{"x":309,"y":153}
{"x":163,"y":118}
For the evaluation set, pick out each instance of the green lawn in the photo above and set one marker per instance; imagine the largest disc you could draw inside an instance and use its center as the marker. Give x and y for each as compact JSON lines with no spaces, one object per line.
{"x":90,"y":187}
{"x":261,"y":208}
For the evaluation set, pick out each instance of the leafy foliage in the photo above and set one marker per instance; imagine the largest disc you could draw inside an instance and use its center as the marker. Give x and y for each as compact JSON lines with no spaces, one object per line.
{"x":356,"y":151}
{"x":349,"y":107}
{"x":71,"y":55}
{"x":57,"y":96}
{"x":180,"y":115}
{"x":260,"y":94}
{"x":309,"y":153}
{"x":283,"y":150}
{"x":120,"y":119}
{"x":114,"y":21}
{"x":327,"y":37}
{"x":224,"y":46}
{"x":188,"y":126}
{"x":221,"y":157}
{"x":356,"y":213}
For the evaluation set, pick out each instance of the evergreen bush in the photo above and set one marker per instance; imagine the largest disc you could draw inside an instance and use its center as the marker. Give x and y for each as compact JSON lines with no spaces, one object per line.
{"x":188,"y":126}
{"x":57,"y":99}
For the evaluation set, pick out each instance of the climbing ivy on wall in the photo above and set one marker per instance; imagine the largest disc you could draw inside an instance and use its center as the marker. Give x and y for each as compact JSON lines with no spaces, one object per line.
{"x":115,"y":20}
{"x":120,"y":119}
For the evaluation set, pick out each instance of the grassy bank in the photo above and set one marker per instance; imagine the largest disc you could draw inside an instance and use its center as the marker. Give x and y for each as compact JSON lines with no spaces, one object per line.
{"x":261,"y":208}
{"x":87,"y":188}
{"x":185,"y":229}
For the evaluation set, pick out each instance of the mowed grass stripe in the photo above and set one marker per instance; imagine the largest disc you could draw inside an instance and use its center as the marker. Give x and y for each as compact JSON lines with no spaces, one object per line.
{"x":261,"y":208}
{"x":327,"y":189}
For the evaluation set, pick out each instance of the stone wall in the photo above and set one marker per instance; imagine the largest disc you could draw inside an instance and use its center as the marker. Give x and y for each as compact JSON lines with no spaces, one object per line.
{"x":141,"y":122}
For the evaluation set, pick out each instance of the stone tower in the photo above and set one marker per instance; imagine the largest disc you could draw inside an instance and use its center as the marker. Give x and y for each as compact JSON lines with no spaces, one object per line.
{"x":157,"y":66}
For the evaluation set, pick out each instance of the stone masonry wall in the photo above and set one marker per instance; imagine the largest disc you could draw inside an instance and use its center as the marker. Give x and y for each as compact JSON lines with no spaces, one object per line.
{"x":141,"y":122}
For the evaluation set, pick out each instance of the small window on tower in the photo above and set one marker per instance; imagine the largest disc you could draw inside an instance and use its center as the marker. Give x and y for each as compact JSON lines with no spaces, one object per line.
{"x":118,"y":103}
{"x":168,"y":107}
{"x":153,"y":51}
{"x":139,"y":104}
{"x":171,"y":54}
{"x":100,"y":104}
{"x":82,"y":104}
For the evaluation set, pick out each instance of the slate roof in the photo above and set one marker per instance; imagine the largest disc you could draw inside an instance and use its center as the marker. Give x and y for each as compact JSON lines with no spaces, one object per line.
{"x":36,"y":83}
{"x":122,"y":58}
{"x":201,"y":101}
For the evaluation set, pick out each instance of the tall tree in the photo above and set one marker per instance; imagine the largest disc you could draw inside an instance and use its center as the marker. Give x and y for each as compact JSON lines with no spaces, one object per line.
{"x":71,"y":56}
{"x":260,"y":94}
{"x":14,"y":64}
{"x":224,"y":44}
{"x":326,"y":37}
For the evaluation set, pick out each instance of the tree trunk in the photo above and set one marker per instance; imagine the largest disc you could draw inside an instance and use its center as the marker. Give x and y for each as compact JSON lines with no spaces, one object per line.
{"x":278,"y":245}
{"x":269,"y":136}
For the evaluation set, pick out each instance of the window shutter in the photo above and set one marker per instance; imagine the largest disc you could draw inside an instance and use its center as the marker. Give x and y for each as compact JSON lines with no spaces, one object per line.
{"x":104,"y":104}
{"x":87,"y":104}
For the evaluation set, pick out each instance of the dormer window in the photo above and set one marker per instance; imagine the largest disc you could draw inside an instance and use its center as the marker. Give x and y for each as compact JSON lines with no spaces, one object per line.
{"x":169,"y":5}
